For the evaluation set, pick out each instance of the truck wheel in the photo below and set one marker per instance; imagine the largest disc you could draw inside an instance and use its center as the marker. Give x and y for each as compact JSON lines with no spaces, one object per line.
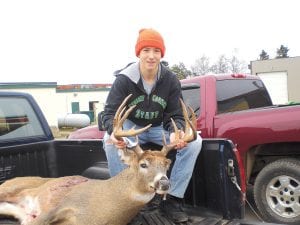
{"x":277,"y":191}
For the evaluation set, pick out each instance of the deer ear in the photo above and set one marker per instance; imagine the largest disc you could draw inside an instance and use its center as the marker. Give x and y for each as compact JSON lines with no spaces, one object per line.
{"x":127,"y":156}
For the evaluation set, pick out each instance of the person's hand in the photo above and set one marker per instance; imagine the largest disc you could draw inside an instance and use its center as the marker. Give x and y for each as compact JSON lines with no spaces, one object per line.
{"x":119,"y":143}
{"x":180,"y":143}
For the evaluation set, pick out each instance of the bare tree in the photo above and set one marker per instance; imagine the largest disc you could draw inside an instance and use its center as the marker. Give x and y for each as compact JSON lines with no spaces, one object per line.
{"x":236,"y":66}
{"x":221,"y":65}
{"x":201,"y":66}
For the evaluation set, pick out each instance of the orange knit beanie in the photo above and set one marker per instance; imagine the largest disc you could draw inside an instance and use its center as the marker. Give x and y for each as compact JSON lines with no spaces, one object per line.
{"x":149,"y":38}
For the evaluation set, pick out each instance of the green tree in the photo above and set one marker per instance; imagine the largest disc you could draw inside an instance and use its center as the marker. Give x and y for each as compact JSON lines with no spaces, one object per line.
{"x":282,"y":52}
{"x":181,"y":71}
{"x":263,"y":55}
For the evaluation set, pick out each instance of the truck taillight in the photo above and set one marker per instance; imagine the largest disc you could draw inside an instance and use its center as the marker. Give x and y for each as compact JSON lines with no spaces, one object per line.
{"x":241,"y":170}
{"x":238,"y":75}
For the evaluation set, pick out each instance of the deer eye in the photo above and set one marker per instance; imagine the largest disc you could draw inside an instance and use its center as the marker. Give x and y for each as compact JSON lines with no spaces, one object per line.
{"x":143,"y":165}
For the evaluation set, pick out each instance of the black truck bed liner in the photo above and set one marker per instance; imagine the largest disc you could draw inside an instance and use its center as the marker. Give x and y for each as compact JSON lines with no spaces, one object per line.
{"x":197,"y":216}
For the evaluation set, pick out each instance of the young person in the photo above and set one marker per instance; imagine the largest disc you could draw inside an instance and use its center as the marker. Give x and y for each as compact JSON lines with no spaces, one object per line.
{"x":156,"y":93}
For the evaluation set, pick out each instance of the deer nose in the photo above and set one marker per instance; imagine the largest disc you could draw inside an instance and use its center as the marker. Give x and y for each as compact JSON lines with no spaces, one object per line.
{"x":163,"y":184}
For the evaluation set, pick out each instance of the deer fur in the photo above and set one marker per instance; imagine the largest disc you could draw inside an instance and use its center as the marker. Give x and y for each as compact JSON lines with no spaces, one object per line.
{"x":78,"y":200}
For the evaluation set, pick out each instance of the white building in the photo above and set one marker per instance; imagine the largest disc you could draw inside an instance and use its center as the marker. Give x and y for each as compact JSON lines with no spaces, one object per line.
{"x":59,"y":100}
{"x":281,"y":77}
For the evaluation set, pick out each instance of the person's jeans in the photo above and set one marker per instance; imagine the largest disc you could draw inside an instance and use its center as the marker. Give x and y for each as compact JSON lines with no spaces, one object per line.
{"x":185,"y":158}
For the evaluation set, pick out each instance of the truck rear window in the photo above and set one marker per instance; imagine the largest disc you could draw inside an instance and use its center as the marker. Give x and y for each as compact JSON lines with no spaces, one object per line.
{"x":17,"y":119}
{"x":191,"y":96}
{"x":237,"y":95}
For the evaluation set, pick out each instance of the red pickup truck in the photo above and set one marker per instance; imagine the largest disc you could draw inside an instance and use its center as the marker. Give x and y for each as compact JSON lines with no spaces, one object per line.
{"x":238,"y":107}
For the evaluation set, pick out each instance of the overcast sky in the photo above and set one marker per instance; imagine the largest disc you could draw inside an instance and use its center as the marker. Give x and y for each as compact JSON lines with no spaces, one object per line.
{"x":71,"y":41}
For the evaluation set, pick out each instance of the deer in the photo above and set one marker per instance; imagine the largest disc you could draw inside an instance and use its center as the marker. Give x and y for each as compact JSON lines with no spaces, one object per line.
{"x":76,"y":200}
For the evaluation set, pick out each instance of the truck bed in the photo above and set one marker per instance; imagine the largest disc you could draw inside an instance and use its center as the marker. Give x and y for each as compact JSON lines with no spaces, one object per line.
{"x":211,"y":198}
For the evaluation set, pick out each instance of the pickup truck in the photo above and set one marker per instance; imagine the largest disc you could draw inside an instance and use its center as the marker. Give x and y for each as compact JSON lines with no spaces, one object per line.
{"x":238,"y":107}
{"x":215,"y":196}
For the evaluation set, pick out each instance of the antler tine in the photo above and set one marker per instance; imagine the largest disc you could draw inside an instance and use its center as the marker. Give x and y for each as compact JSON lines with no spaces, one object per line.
{"x":120,"y":118}
{"x":176,"y":130}
{"x":190,"y":133}
{"x":166,"y":148}
{"x":122,"y":106}
{"x":190,"y":127}
{"x":119,"y":112}
{"x":193,"y":118}
{"x":185,"y":116}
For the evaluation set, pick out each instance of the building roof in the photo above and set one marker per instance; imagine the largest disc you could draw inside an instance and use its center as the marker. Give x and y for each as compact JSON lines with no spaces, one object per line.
{"x":22,"y":85}
{"x":82,"y":87}
{"x":59,"y":88}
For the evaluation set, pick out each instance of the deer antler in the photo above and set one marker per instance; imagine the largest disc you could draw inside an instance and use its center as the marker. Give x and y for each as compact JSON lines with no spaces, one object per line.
{"x":120,"y":118}
{"x":190,"y":132}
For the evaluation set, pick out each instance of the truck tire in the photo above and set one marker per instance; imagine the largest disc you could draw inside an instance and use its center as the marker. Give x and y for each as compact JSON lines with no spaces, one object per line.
{"x":277,"y":191}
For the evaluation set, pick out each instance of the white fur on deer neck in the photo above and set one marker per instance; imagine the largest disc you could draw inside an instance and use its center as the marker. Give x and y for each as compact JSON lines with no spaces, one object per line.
{"x":142,"y":197}
{"x":31,"y":207}
{"x":27,"y":209}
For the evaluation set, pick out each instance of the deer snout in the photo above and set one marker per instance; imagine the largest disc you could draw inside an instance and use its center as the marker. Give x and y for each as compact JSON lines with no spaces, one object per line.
{"x":163,"y":185}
